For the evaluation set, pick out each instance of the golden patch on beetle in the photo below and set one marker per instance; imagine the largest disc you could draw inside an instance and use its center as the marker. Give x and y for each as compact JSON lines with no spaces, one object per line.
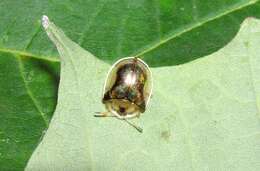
{"x":127,"y":89}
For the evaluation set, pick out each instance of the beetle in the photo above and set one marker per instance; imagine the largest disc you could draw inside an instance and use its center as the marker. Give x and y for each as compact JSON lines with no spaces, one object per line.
{"x":127,"y":89}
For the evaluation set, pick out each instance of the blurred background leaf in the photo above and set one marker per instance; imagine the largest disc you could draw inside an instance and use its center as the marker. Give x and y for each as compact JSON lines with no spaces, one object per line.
{"x":163,"y":32}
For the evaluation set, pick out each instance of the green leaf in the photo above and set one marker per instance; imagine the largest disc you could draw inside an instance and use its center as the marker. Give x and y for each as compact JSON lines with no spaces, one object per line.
{"x":165,"y":32}
{"x":204,"y":115}
{"x":27,"y":99}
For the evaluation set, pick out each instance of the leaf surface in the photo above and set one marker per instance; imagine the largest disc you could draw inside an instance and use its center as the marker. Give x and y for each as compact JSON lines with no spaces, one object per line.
{"x":164,"y":32}
{"x":27,"y":101}
{"x":204,"y":115}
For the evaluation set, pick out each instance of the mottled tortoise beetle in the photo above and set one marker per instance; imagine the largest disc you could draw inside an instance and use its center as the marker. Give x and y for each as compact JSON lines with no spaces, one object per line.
{"x":127,"y":89}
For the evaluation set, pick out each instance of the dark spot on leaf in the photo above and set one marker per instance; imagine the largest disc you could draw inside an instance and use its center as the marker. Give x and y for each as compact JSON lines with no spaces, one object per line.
{"x":166,"y":135}
{"x":246,"y":43}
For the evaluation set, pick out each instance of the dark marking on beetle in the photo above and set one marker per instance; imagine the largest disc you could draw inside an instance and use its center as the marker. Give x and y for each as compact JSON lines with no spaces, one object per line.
{"x":122,"y":110}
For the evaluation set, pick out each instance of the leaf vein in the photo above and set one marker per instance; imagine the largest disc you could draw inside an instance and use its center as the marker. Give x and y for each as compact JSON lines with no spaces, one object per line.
{"x":19,"y":53}
{"x":253,"y":82}
{"x":34,"y":101}
{"x":190,"y":27}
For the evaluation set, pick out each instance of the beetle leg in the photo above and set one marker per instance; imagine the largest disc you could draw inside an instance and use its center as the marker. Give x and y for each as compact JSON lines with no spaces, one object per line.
{"x":103,"y":114}
{"x":139,"y":129}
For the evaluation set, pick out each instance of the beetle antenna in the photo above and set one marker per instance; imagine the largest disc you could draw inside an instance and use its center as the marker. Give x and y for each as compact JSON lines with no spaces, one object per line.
{"x":103,"y":114}
{"x":139,"y":129}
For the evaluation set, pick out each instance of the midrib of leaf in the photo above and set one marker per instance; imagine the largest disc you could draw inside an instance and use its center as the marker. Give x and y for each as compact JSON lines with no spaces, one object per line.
{"x":19,"y":53}
{"x":34,"y":101}
{"x":57,"y":40}
{"x":155,"y":44}
{"x":253,"y":83}
{"x":191,"y":27}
